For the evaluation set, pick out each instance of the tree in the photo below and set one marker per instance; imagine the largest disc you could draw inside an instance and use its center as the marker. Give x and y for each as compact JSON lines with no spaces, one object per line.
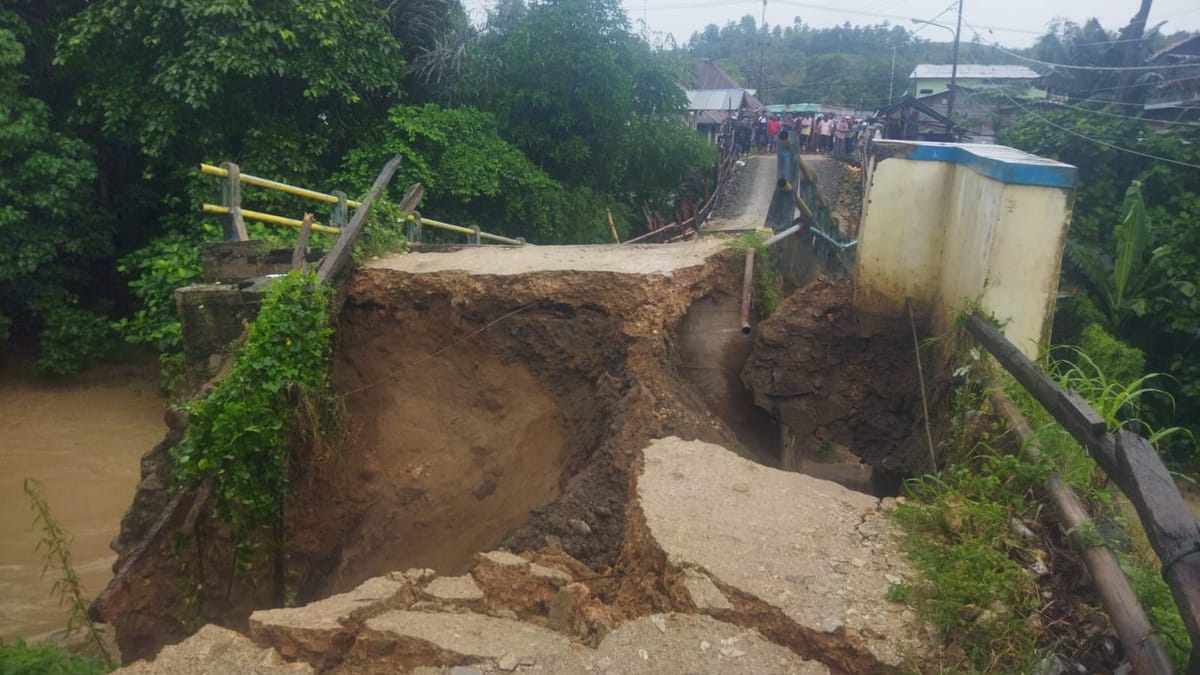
{"x":1120,"y":280}
{"x":48,"y":234}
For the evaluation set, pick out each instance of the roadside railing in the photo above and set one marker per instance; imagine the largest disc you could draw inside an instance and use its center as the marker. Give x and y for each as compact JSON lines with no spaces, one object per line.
{"x":1132,"y":464}
{"x":235,"y":214}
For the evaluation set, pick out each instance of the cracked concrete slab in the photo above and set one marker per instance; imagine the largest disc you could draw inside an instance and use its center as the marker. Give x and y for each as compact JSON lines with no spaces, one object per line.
{"x":322,"y":631}
{"x":408,"y":639}
{"x":681,"y":644}
{"x":791,"y":552}
{"x":216,"y":651}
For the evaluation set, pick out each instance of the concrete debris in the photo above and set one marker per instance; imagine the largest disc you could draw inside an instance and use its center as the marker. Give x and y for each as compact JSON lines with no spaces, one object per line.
{"x":454,"y":589}
{"x":503,"y":559}
{"x":323,"y":630}
{"x":216,"y":651}
{"x":579,"y":526}
{"x":787,"y":586}
{"x":433,"y":638}
{"x":674,"y":651}
{"x":754,"y":558}
{"x":703,"y":592}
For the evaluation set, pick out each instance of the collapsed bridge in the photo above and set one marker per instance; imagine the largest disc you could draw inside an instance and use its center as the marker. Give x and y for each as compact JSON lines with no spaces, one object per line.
{"x":508,"y":397}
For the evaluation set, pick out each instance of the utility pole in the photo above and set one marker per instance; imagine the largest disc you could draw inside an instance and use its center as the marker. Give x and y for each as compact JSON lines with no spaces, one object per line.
{"x":762,"y":55}
{"x":953,"y":69}
{"x":892,"y":82}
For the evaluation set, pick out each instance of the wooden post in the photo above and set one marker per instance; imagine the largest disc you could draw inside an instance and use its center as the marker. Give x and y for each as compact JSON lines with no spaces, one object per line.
{"x":337,"y":259}
{"x":611,"y":227}
{"x":231,"y":198}
{"x":301,"y":250}
{"x":1129,"y":461}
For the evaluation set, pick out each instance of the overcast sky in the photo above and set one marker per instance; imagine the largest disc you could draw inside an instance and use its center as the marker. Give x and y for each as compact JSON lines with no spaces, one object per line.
{"x":1013,"y":23}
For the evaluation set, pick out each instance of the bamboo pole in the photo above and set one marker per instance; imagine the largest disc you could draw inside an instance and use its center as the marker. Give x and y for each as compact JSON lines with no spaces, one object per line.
{"x":1141,"y":645}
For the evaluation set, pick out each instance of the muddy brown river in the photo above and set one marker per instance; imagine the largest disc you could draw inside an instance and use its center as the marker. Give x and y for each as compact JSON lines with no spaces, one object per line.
{"x":82,"y":439}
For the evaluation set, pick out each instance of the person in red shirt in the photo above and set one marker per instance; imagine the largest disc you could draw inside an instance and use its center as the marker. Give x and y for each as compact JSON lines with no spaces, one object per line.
{"x":772,"y":132}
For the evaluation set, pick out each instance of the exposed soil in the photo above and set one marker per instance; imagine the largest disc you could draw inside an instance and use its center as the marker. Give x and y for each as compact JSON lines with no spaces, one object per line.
{"x":480,"y":411}
{"x":837,"y":379}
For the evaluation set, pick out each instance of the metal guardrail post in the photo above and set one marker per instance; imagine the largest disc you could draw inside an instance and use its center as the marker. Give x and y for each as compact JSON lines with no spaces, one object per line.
{"x":340,"y":210}
{"x":231,"y":198}
{"x":474,"y":237}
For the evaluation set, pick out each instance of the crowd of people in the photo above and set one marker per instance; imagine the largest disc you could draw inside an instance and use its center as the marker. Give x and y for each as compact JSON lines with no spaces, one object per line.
{"x":819,"y":133}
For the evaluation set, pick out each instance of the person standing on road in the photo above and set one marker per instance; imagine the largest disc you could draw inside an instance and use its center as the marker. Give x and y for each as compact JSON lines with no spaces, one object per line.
{"x":772,"y":132}
{"x":827,"y":134}
{"x":805,"y":131}
{"x":840,"y":131}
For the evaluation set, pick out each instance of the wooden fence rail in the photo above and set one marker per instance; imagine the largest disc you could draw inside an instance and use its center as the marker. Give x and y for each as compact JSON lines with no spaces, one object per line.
{"x":1132,"y":463}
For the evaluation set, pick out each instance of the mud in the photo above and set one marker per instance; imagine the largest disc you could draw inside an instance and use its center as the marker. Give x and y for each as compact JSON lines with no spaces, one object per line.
{"x":838,"y":379}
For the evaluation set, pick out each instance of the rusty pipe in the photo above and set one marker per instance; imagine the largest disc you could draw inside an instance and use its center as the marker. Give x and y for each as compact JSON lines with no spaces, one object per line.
{"x":747,"y":291}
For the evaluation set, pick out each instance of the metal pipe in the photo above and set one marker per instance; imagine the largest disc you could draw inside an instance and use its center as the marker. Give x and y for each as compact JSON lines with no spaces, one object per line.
{"x":747,"y":291}
{"x":276,"y":185}
{"x":834,"y":242}
{"x":783,"y":235}
{"x":269,"y":218}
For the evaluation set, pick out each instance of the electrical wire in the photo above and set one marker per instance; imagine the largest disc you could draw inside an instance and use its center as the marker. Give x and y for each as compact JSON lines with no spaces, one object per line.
{"x":979,"y":97}
{"x":1097,"y":141}
{"x":1108,"y":113}
{"x":1065,"y":66}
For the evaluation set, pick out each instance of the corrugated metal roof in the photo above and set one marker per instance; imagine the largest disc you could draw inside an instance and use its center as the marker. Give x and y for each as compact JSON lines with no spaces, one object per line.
{"x":972,"y":71}
{"x":710,"y":76}
{"x":715,"y":99}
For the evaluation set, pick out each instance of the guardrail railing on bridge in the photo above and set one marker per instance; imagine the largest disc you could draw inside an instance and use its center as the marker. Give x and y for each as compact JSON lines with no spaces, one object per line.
{"x":235,"y":228}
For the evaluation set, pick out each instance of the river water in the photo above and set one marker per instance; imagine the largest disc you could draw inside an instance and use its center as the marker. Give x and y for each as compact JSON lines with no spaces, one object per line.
{"x":82,"y":439}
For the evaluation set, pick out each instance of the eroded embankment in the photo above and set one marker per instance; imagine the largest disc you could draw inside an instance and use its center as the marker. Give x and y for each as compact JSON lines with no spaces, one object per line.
{"x":481,"y":410}
{"x":838,"y":379}
{"x":727,"y":566}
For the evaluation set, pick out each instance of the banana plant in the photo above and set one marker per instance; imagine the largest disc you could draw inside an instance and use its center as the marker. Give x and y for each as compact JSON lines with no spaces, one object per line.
{"x":1120,"y":280}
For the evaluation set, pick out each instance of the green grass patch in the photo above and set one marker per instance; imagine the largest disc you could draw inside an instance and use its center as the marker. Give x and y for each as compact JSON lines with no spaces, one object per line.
{"x":18,"y":658}
{"x":973,"y":586}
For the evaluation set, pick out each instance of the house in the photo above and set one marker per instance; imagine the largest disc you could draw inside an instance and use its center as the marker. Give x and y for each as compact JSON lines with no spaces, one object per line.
{"x":934,"y":78}
{"x":1177,"y":96}
{"x":715,"y":99}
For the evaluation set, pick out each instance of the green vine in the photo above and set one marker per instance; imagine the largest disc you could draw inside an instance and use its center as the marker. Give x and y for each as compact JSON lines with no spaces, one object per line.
{"x":239,"y":436}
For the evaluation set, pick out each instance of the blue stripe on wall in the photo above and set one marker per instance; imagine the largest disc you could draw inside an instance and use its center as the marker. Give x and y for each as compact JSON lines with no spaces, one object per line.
{"x":999,"y":162}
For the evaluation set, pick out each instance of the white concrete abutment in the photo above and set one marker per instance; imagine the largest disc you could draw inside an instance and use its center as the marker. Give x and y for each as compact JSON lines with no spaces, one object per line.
{"x":948,"y":224}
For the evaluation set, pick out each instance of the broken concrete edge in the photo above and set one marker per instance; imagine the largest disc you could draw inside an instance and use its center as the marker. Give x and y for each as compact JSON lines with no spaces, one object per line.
{"x":693,"y":588}
{"x":385,"y":618}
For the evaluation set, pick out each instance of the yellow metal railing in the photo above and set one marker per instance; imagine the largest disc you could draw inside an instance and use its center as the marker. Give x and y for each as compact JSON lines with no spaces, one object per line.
{"x":232,"y":207}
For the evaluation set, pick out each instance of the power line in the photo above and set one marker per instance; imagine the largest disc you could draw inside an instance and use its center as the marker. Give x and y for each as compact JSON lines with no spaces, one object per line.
{"x":1108,"y":113}
{"x":1097,"y":141}
{"x":1049,"y":64}
{"x":979,"y":96}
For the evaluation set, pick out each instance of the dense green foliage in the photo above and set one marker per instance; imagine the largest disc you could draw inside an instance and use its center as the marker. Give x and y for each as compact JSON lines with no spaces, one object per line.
{"x":238,"y":437}
{"x":18,"y":658}
{"x":48,"y":236}
{"x":108,"y":106}
{"x":1134,"y":243}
